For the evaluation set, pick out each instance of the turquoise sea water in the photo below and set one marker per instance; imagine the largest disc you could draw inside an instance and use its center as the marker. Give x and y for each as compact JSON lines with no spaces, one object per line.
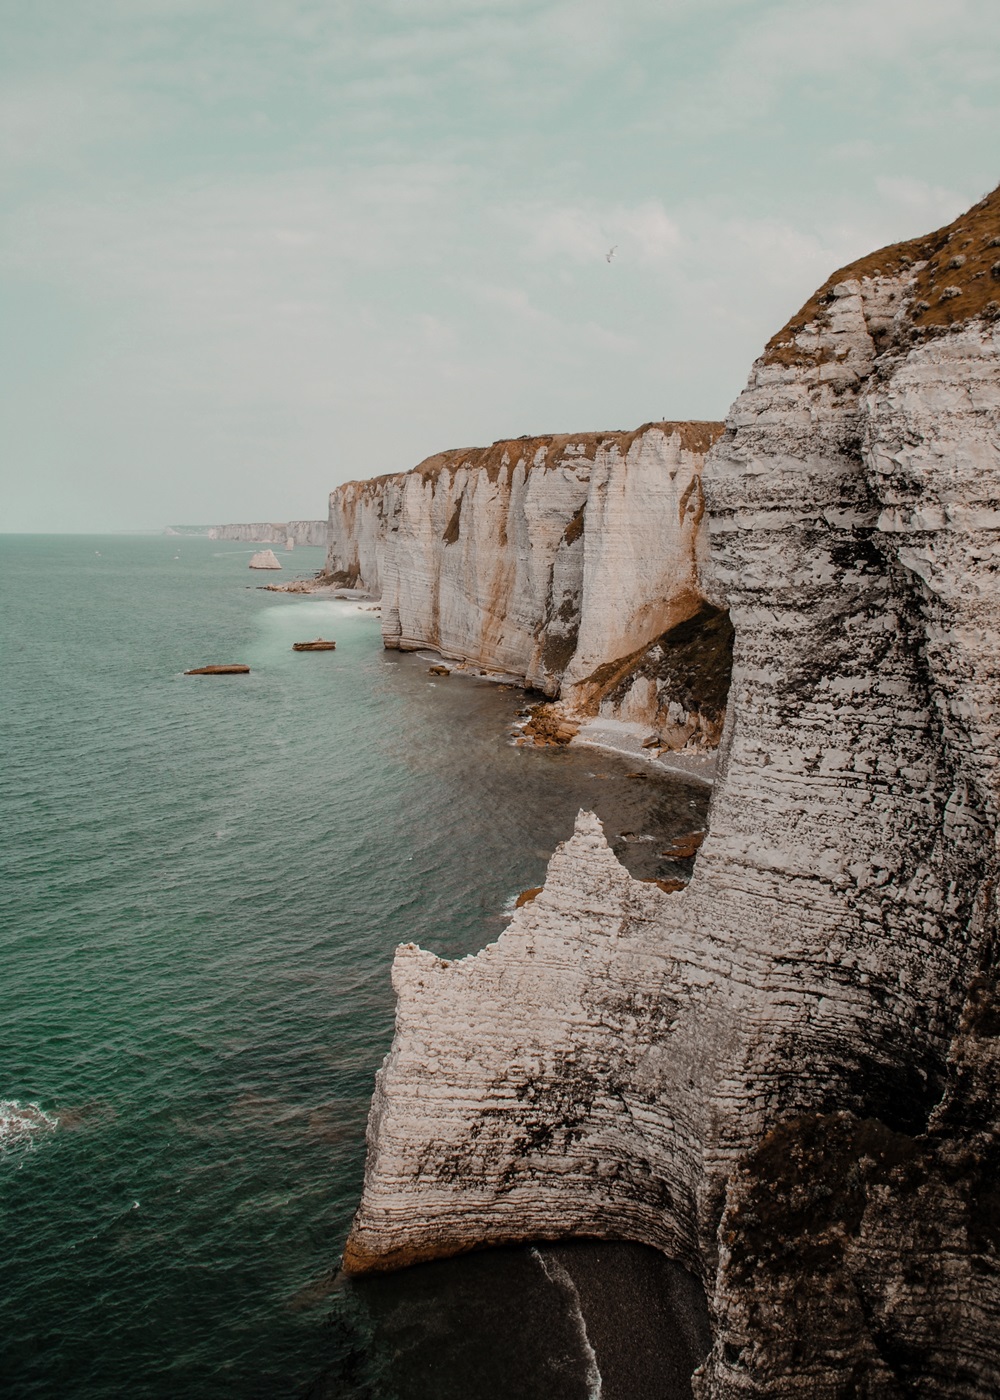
{"x":203,"y":882}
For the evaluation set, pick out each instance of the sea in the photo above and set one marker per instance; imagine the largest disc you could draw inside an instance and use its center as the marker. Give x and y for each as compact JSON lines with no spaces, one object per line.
{"x":203,"y":880}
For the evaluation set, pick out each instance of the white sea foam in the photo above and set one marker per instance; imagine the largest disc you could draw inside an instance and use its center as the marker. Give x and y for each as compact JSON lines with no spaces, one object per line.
{"x":557,"y":1274}
{"x":21,"y":1122}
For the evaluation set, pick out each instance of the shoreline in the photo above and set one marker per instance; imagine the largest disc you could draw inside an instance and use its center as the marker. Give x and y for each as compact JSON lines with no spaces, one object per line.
{"x":621,"y":737}
{"x":310,"y":588}
{"x":616,"y":736}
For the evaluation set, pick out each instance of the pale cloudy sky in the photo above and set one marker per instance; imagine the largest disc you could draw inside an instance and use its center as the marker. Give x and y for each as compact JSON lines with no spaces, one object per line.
{"x":250,"y":249}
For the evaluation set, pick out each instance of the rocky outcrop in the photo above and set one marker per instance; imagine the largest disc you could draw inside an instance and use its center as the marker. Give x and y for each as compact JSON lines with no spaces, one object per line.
{"x":264,"y":559}
{"x":785,"y":1075}
{"x":298,"y":532}
{"x":557,"y":559}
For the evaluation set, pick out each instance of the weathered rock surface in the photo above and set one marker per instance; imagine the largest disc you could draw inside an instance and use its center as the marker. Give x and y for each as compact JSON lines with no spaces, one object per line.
{"x":546,"y":558}
{"x":785,"y":1075}
{"x":264,"y":559}
{"x":298,"y":532}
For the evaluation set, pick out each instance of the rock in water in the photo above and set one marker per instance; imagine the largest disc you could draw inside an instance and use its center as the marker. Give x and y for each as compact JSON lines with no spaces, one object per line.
{"x":265,"y":559}
{"x":233,"y":669}
{"x":786,"y":1075}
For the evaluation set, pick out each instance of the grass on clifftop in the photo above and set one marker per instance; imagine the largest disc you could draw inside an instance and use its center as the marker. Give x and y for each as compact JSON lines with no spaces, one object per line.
{"x":554,"y":449}
{"x":956,"y":278}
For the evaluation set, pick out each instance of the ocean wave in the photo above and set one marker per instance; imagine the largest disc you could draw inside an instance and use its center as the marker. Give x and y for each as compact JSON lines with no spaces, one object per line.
{"x":556,"y":1273}
{"x":21,"y":1122}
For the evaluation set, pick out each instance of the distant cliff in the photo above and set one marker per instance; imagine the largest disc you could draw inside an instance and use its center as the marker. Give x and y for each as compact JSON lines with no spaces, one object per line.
{"x":301,"y":532}
{"x":787,"y":1074}
{"x":558,"y":559}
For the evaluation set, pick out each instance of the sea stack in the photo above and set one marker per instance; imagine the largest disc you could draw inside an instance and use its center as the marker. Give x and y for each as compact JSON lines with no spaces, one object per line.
{"x":786,"y":1075}
{"x":265,"y":559}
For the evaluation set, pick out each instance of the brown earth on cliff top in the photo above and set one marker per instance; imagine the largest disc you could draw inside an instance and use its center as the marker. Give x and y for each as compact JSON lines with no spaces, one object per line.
{"x":956,"y":277}
{"x":695,"y":436}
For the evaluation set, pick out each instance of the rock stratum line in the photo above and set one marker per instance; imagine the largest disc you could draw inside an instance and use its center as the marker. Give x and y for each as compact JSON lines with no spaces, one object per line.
{"x":785,"y":1075}
{"x":300,"y":532}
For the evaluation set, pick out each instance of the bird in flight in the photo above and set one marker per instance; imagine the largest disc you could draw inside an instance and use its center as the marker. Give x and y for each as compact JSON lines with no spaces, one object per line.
{"x":610,"y":253}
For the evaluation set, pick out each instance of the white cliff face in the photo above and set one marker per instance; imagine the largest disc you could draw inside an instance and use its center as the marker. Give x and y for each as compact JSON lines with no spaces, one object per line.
{"x":546,"y":558}
{"x":934,"y":452}
{"x":543,"y":1127}
{"x":357,"y":532}
{"x":641,"y":548}
{"x":308,"y":533}
{"x":804,"y":1044}
{"x":301,"y":532}
{"x":471,"y":557}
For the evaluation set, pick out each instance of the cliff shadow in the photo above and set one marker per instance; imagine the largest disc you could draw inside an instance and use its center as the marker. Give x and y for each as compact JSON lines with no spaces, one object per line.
{"x":542,"y":1322}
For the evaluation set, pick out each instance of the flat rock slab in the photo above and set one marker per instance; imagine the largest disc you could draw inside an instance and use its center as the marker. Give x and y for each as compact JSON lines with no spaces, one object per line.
{"x":234,"y":670}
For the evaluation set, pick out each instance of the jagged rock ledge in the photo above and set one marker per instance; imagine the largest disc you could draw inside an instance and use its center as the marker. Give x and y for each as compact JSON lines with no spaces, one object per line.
{"x":563,"y":1073}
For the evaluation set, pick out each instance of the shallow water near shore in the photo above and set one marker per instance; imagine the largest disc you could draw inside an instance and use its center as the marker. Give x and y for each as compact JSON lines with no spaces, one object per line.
{"x":203,"y":882}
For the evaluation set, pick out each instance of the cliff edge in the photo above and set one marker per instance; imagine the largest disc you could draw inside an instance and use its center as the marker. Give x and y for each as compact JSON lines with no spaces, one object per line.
{"x":785,"y":1075}
{"x":558,"y":559}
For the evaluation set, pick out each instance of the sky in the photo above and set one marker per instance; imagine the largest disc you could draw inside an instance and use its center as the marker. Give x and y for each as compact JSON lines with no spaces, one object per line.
{"x":250,"y":249}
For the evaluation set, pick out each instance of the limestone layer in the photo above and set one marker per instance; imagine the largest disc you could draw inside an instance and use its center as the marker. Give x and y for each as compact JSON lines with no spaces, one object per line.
{"x":785,"y":1075}
{"x":546,"y":558}
{"x":301,"y":532}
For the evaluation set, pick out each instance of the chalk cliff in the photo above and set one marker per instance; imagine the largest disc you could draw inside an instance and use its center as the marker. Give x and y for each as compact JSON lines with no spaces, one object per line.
{"x":300,"y":532}
{"x":786,"y":1075}
{"x":557,"y":559}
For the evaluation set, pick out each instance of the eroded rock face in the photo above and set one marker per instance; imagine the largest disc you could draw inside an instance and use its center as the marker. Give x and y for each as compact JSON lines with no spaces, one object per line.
{"x":546,"y":1121}
{"x":786,"y":1075}
{"x":299,"y":532}
{"x":545,"y":558}
{"x":264,"y":559}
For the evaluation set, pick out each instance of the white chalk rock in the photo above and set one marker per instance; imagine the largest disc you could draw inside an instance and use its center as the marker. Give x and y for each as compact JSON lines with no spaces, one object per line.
{"x":265,"y":559}
{"x":613,"y":1063}
{"x":543,"y":557}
